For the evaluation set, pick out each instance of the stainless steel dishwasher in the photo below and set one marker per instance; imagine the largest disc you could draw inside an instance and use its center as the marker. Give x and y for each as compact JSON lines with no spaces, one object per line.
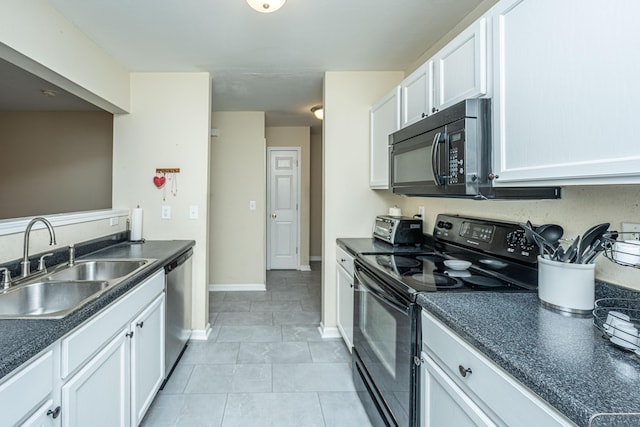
{"x":178,"y":309}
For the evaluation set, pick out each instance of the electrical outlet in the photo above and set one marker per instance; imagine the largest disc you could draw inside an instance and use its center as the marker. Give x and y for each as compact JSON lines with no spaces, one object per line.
{"x":421,"y":212}
{"x":166,"y":212}
{"x":193,"y":212}
{"x":114,"y":221}
{"x":629,"y":227}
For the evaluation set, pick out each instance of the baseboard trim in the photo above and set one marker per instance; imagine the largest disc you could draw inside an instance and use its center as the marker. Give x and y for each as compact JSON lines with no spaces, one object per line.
{"x":221,"y":287}
{"x":201,"y":334}
{"x":315,"y":258}
{"x":305,"y":268}
{"x":327,"y":333}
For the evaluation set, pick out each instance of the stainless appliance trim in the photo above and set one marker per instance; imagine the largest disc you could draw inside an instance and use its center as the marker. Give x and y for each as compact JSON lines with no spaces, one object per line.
{"x":177,"y":309}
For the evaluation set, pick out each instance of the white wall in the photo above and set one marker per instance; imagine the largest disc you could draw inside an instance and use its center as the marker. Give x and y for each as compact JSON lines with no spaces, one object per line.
{"x":36,"y":37}
{"x":315,"y":220}
{"x":238,"y":175}
{"x":349,"y":206}
{"x":168,"y":127}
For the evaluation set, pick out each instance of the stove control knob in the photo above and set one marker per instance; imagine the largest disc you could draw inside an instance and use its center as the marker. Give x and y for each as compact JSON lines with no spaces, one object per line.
{"x":440,"y":224}
{"x":448,"y":226}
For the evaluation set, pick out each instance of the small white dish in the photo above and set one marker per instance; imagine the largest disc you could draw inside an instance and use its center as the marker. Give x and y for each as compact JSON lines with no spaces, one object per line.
{"x":624,"y":344}
{"x":457,"y":273}
{"x":456,"y":264}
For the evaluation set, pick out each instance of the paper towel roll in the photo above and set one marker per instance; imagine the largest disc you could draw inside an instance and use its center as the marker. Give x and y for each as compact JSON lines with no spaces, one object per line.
{"x":395,"y":211}
{"x":136,"y":224}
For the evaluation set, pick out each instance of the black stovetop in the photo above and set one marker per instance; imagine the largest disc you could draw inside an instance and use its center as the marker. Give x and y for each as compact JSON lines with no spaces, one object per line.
{"x":426,"y":272}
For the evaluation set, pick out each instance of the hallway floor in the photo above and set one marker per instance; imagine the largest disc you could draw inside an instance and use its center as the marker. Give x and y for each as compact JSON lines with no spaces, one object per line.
{"x":263,"y":365}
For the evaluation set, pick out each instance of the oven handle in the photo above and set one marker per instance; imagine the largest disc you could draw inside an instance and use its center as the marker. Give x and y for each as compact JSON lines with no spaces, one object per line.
{"x":375,"y":290}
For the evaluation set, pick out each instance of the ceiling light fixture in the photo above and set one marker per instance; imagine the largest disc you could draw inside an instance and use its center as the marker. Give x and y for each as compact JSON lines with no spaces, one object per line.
{"x":266,"y":6}
{"x":318,"y":111}
{"x":49,"y":93}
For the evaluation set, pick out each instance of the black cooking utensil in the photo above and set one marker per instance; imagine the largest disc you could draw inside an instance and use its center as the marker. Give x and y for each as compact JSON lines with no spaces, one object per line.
{"x":589,"y":238}
{"x":571,"y":252}
{"x":551,"y":233}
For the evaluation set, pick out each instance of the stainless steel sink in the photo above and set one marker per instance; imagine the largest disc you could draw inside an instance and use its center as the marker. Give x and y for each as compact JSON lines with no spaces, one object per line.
{"x":98,"y":270}
{"x":66,"y":288}
{"x":47,"y":299}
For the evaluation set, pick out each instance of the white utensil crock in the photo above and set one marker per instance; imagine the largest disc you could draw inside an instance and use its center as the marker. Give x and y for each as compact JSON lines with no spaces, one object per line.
{"x":566,"y":287}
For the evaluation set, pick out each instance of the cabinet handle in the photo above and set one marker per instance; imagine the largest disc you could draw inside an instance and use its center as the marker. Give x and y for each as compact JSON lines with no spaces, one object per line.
{"x":424,"y":115}
{"x":140,"y":324}
{"x":54,"y":413}
{"x":464,"y":371}
{"x":129,"y":334}
{"x":434,"y":110}
{"x":342,"y":260}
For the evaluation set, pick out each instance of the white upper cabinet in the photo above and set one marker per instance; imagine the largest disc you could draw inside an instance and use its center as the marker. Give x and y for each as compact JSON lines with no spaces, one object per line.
{"x":566,"y":92}
{"x":460,"y":68}
{"x":384,"y":120}
{"x":416,"y":94}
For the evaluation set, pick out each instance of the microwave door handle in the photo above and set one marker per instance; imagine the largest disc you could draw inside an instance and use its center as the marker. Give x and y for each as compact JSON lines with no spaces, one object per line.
{"x":434,"y":159}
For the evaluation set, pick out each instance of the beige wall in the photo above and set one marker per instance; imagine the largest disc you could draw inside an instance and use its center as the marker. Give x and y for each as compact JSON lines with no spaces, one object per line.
{"x":238,"y":168}
{"x":297,"y":136}
{"x":168,"y":127}
{"x":55,"y":162}
{"x":36,"y":37}
{"x":348,"y":204}
{"x":315,"y":206}
{"x":579,"y":208}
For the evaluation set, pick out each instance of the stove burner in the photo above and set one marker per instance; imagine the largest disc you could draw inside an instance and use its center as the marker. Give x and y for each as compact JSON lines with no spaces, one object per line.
{"x":438,"y":280}
{"x":483,"y":282}
{"x":397,"y":261}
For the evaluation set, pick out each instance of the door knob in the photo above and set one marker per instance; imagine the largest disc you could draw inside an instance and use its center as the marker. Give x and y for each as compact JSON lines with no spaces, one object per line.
{"x":274,"y":216}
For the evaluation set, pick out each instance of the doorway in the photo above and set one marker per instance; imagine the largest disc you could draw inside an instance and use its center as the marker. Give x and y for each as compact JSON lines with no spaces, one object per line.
{"x":283,"y":208}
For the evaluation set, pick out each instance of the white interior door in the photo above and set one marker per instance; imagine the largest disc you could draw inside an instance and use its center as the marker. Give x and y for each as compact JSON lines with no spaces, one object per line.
{"x":283,"y":213}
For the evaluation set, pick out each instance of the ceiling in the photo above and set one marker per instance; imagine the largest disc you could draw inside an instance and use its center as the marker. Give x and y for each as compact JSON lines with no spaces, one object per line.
{"x":266,"y":62}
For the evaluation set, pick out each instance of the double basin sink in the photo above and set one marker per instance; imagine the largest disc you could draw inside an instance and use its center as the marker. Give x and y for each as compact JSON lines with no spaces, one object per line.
{"x":55,"y":294}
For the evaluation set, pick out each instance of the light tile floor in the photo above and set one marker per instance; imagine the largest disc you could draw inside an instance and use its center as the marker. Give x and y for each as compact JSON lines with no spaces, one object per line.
{"x":263,"y":365}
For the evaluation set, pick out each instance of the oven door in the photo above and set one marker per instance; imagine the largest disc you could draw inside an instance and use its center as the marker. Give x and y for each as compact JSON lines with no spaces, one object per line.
{"x":385,"y":343}
{"x":419,"y":164}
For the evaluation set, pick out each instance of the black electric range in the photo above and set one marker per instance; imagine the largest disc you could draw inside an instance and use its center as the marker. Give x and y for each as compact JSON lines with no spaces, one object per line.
{"x":387,"y":333}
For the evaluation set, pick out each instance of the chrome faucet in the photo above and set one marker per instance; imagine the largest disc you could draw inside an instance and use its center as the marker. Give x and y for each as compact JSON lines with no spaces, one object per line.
{"x":26,"y":265}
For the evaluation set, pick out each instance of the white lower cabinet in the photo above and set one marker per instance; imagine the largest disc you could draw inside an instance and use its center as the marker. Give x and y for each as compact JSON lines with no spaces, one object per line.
{"x":462,"y":387}
{"x":147,"y":358}
{"x":98,"y":395}
{"x":119,"y":380}
{"x":445,"y":404}
{"x":344,"y":283}
{"x":27,"y":397}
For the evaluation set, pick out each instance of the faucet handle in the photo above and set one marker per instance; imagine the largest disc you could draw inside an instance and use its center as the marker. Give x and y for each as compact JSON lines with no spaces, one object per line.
{"x":41,"y":265}
{"x":72,"y":254}
{"x":6,"y":278}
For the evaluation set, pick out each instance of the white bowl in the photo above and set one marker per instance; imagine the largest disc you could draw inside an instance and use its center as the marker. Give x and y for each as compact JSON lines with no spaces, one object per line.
{"x":455,"y":264}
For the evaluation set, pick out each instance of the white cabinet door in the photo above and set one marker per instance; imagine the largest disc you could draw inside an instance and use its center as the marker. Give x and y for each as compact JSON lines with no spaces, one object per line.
{"x":98,"y":395}
{"x":147,"y":358}
{"x":416,"y":92}
{"x":345,"y":306}
{"x":384,"y":120}
{"x":444,"y":403}
{"x":565,"y":93}
{"x":460,"y":68}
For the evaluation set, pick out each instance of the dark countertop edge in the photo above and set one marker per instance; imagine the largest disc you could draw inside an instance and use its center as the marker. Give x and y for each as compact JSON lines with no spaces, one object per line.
{"x":54,"y":329}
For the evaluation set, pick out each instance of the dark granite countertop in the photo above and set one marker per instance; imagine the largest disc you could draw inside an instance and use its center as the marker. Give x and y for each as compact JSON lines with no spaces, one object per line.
{"x":563,"y":359}
{"x":20,"y":340}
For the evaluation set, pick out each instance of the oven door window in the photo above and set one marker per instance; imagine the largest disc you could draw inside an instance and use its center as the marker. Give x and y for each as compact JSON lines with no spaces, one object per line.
{"x":379,"y":328}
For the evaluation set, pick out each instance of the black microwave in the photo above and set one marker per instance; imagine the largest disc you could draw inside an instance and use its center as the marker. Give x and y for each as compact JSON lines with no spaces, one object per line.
{"x":448,"y":154}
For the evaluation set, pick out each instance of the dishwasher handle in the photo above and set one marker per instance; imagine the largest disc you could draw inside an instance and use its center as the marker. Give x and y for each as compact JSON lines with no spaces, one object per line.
{"x":178,"y":261}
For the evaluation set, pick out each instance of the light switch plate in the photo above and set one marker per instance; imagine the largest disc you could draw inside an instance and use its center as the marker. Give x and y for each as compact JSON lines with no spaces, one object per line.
{"x":193,"y":212}
{"x":252,"y":205}
{"x":166,"y":212}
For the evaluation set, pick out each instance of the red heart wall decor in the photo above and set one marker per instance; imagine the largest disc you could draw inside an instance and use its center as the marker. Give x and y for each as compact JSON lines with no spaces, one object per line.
{"x":159,"y":181}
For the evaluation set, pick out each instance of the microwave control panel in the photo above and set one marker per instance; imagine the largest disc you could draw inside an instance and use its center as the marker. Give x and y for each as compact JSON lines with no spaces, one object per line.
{"x":456,"y":157}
